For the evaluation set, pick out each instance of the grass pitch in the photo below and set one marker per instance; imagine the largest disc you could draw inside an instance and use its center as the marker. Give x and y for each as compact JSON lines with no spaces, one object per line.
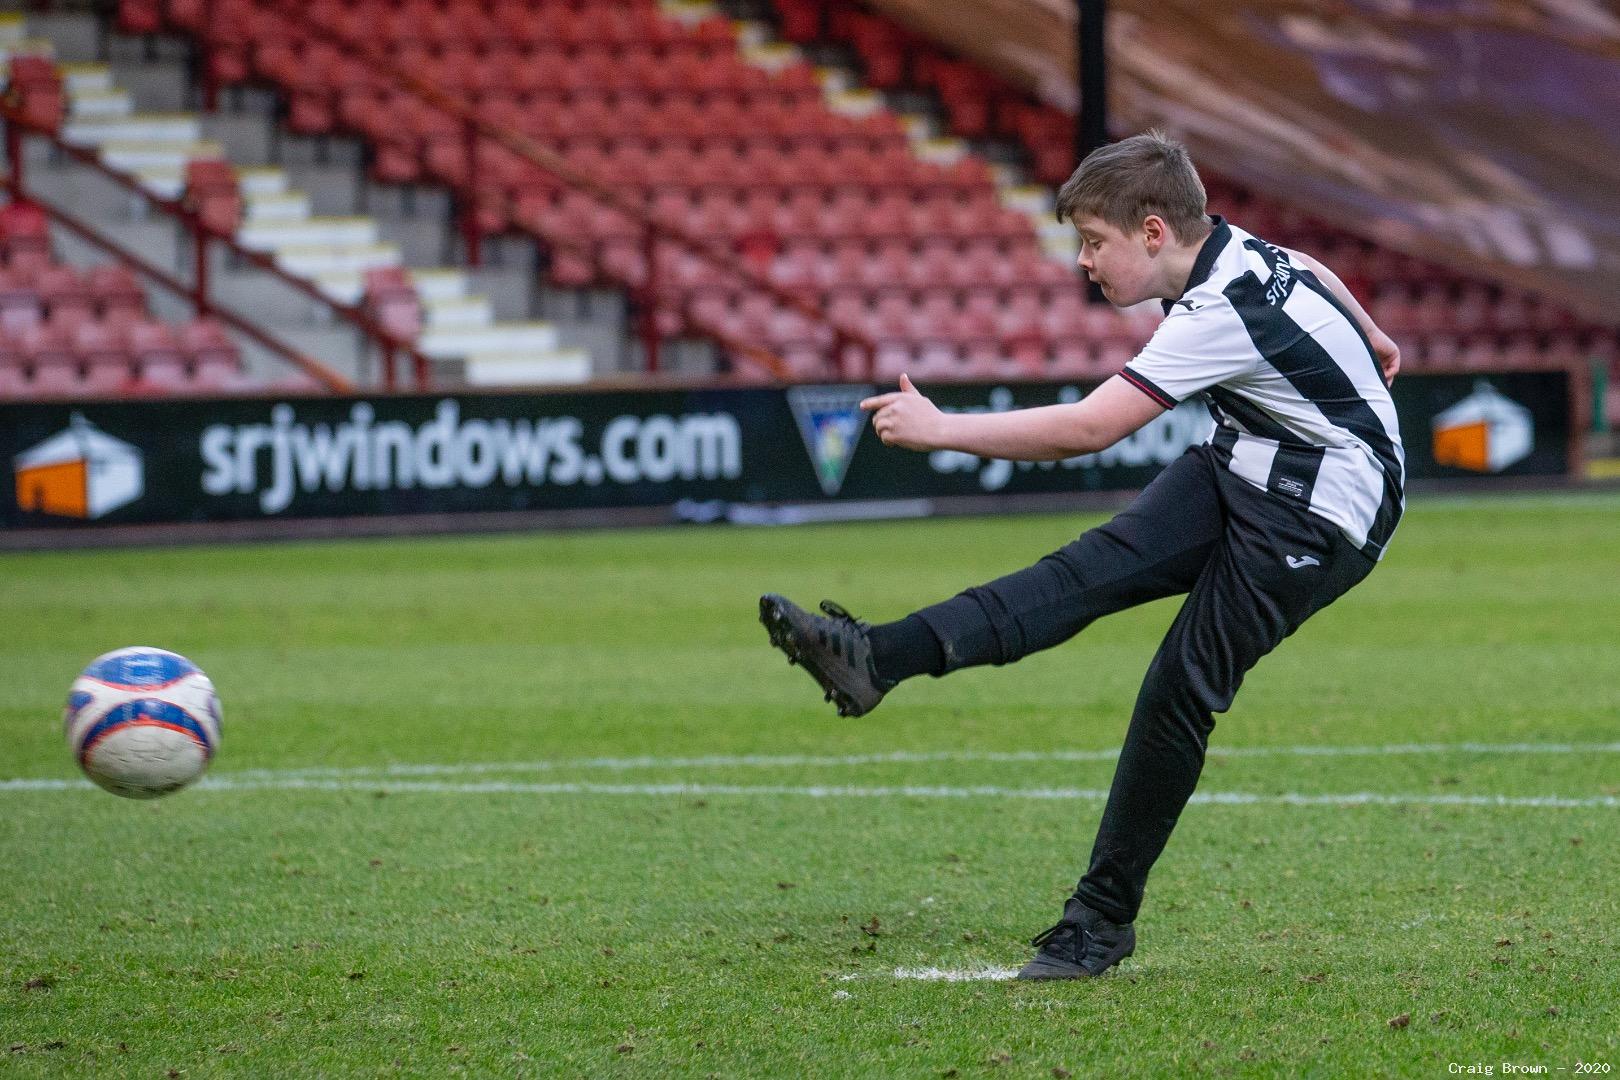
{"x":549,"y":805}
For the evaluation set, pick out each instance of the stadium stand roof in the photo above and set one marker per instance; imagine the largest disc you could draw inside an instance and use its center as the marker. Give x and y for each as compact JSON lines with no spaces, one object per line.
{"x":1483,"y":135}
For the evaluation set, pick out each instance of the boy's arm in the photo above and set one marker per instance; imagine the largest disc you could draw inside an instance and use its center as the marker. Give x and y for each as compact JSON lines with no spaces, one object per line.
{"x":1049,"y":433}
{"x":1384,"y":348}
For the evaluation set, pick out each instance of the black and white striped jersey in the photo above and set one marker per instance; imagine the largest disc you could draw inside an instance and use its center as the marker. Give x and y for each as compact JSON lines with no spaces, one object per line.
{"x":1300,"y":406}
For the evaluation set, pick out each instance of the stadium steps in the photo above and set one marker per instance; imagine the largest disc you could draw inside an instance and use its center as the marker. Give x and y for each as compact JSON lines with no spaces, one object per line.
{"x":414,"y":225}
{"x":77,"y":325}
{"x":461,"y":328}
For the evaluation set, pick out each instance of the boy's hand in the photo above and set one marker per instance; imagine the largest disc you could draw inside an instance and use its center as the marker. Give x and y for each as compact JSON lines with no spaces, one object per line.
{"x":1388,"y":355}
{"x":906,"y":419}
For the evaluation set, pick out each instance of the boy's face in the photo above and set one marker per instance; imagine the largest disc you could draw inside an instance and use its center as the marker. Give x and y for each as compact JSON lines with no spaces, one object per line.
{"x":1122,"y":263}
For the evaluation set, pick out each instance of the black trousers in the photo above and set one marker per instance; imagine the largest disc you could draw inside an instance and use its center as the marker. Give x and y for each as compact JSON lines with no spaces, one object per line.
{"x":1253,"y":565}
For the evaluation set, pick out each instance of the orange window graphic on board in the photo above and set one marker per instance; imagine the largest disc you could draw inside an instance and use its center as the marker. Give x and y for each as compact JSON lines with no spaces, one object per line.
{"x":1484,"y":432}
{"x":82,"y":473}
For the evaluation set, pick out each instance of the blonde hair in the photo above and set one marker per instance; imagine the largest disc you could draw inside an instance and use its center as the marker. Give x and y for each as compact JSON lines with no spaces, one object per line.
{"x":1122,"y":183}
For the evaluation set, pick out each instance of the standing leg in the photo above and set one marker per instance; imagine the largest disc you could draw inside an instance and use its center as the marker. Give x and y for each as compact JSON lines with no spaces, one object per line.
{"x":1277,"y":566}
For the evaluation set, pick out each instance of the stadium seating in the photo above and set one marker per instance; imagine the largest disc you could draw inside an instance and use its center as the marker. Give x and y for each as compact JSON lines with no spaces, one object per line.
{"x":915,"y":244}
{"x":1440,"y":317}
{"x":69,"y":332}
{"x":338,"y":256}
{"x":747,"y":153}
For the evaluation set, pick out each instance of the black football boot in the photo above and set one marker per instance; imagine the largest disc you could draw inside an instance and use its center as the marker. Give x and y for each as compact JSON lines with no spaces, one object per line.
{"x":834,"y":650}
{"x":1082,"y":946}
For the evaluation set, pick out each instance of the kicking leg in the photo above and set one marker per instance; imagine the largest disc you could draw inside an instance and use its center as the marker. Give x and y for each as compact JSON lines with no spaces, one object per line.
{"x":1154,"y":548}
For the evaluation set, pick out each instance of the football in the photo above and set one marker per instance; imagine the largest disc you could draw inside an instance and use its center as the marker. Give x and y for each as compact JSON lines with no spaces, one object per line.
{"x":142,"y":722}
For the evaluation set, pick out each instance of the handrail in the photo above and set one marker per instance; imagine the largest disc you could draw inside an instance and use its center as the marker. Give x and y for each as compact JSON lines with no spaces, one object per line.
{"x":334,"y":382}
{"x":537,"y":155}
{"x":203,"y":233}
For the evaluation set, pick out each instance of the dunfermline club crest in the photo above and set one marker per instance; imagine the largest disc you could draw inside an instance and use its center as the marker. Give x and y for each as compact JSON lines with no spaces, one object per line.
{"x":830,"y":422}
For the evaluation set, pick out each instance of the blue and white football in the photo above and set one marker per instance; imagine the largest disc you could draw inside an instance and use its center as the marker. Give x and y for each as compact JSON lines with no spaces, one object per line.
{"x":142,"y":722}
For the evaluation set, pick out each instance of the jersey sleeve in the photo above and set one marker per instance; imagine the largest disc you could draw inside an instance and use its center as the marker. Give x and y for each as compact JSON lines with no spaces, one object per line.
{"x":1192,"y":351}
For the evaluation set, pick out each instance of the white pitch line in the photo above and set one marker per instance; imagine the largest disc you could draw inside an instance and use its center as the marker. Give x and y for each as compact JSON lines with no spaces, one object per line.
{"x":507,"y":787}
{"x":907,"y":757}
{"x":934,"y":974}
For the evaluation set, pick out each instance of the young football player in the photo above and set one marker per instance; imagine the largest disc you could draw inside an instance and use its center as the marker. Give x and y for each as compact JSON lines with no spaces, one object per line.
{"x":1291,"y":502}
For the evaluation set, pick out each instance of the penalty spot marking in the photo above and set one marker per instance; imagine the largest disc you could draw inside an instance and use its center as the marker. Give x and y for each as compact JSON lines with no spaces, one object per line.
{"x":934,"y":974}
{"x":226,"y":782}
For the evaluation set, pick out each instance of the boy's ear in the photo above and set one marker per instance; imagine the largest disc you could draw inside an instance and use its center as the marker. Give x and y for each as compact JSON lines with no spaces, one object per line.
{"x":1156,"y":233}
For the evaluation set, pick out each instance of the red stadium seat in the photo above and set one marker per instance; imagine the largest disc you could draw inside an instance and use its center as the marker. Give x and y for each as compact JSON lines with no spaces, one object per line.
{"x":48,"y":345}
{"x":13,"y":379}
{"x":36,"y":91}
{"x":153,"y":341}
{"x":391,"y":299}
{"x":212,"y":194}
{"x":882,"y":45}
{"x":67,"y":296}
{"x":20,"y":303}
{"x":140,"y":16}
{"x":98,"y":344}
{"x":24,"y":236}
{"x":160,"y":378}
{"x":966,"y":92}
{"x":116,"y":291}
{"x":106,"y":378}
{"x":55,"y":381}
{"x":205,"y":343}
